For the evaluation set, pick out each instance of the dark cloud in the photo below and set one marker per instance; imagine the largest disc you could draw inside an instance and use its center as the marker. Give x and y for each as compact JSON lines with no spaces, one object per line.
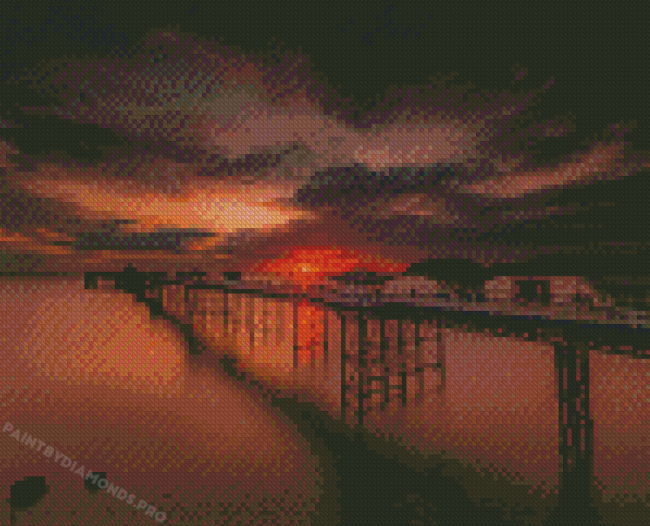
{"x":173,"y":239}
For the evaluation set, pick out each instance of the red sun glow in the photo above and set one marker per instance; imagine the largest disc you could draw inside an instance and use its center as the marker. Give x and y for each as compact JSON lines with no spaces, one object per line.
{"x":306,"y":264}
